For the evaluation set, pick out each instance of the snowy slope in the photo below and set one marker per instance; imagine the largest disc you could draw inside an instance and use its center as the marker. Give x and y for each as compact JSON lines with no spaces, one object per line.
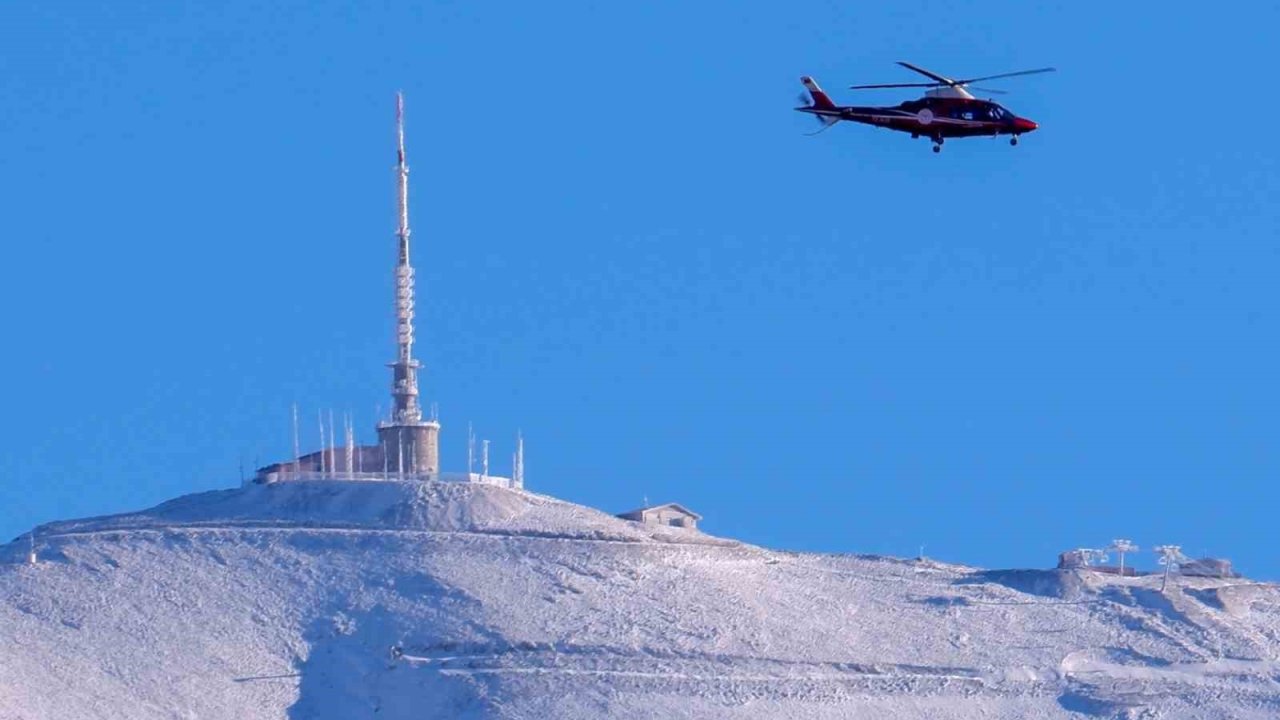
{"x":286,"y":601}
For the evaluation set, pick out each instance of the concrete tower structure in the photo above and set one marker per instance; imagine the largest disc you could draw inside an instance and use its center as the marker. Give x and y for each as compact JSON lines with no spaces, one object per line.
{"x":411,"y":445}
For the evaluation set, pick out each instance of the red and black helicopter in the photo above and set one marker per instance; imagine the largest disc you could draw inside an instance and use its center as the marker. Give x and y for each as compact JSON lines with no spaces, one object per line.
{"x":947,"y":110}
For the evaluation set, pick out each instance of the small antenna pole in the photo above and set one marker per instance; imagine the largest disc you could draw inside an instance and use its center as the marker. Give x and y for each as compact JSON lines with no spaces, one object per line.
{"x":471,"y":450}
{"x":517,"y":464}
{"x":382,"y":443}
{"x":320,"y":417}
{"x":351,"y":443}
{"x":333,"y":445}
{"x":297,"y":445}
{"x":484,"y":460}
{"x":359,"y":450}
{"x":31,"y":548}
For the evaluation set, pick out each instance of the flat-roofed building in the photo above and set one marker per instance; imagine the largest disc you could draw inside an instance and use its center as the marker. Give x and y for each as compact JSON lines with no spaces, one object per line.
{"x":672,"y":514}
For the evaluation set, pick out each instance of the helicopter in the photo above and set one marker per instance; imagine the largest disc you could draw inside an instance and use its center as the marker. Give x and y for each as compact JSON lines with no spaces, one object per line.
{"x":947,"y":109}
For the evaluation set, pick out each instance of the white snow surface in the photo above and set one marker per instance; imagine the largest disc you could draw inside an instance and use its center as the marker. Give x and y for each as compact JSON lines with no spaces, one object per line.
{"x":435,"y":600}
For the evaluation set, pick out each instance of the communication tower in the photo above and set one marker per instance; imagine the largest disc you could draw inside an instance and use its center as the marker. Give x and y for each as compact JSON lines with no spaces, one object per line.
{"x":406,"y":435}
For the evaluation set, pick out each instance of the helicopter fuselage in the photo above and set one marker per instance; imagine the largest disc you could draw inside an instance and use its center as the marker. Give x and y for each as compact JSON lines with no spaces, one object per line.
{"x":933,"y":117}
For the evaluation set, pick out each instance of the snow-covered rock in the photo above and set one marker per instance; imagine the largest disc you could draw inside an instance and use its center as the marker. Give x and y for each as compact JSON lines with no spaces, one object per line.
{"x":410,"y":600}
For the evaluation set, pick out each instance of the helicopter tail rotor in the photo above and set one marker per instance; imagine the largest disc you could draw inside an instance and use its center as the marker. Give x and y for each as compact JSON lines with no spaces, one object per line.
{"x":810,"y":108}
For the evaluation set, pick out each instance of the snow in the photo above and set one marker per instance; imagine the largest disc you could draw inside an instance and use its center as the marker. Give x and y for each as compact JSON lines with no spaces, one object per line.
{"x":454,"y":600}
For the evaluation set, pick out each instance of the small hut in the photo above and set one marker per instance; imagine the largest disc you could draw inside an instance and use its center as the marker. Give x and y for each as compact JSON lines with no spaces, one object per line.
{"x":672,"y":514}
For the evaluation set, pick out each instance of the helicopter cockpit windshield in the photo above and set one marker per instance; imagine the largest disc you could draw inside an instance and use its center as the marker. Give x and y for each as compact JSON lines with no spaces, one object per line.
{"x":985,"y":112}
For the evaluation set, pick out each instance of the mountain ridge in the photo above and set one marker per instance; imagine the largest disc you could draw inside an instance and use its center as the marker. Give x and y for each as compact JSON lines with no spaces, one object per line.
{"x":341,"y":600}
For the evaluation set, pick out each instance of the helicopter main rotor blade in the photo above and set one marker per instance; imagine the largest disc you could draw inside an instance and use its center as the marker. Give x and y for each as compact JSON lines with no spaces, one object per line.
{"x":894,"y":85}
{"x":1005,"y":75}
{"x":929,"y":74}
{"x":993,"y":91}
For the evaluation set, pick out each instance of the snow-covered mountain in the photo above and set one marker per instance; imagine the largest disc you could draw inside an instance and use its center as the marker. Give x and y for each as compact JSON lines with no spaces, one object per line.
{"x":410,"y":600}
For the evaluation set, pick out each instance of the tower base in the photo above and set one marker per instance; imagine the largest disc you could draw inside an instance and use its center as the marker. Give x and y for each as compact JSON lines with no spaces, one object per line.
{"x":411,"y":449}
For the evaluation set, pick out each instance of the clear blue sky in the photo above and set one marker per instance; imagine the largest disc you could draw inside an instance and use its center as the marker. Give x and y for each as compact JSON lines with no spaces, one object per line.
{"x":627,"y":248}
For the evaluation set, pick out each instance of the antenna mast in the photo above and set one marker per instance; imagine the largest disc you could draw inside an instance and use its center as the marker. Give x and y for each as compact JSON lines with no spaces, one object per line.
{"x":406,"y":380}
{"x":406,"y":434}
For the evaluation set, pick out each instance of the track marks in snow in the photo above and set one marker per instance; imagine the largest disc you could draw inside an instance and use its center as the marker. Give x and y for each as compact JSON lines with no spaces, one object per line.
{"x":189,"y":529}
{"x":693,"y":672}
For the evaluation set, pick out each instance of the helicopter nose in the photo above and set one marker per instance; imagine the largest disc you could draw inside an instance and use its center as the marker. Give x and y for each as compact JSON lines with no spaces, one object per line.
{"x":1024,"y":125}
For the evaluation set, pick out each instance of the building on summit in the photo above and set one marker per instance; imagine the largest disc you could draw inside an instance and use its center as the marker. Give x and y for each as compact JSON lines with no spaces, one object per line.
{"x":672,"y":514}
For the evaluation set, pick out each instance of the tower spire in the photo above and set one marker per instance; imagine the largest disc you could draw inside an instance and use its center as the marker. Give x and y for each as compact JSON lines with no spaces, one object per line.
{"x":404,"y":270}
{"x":406,"y":434}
